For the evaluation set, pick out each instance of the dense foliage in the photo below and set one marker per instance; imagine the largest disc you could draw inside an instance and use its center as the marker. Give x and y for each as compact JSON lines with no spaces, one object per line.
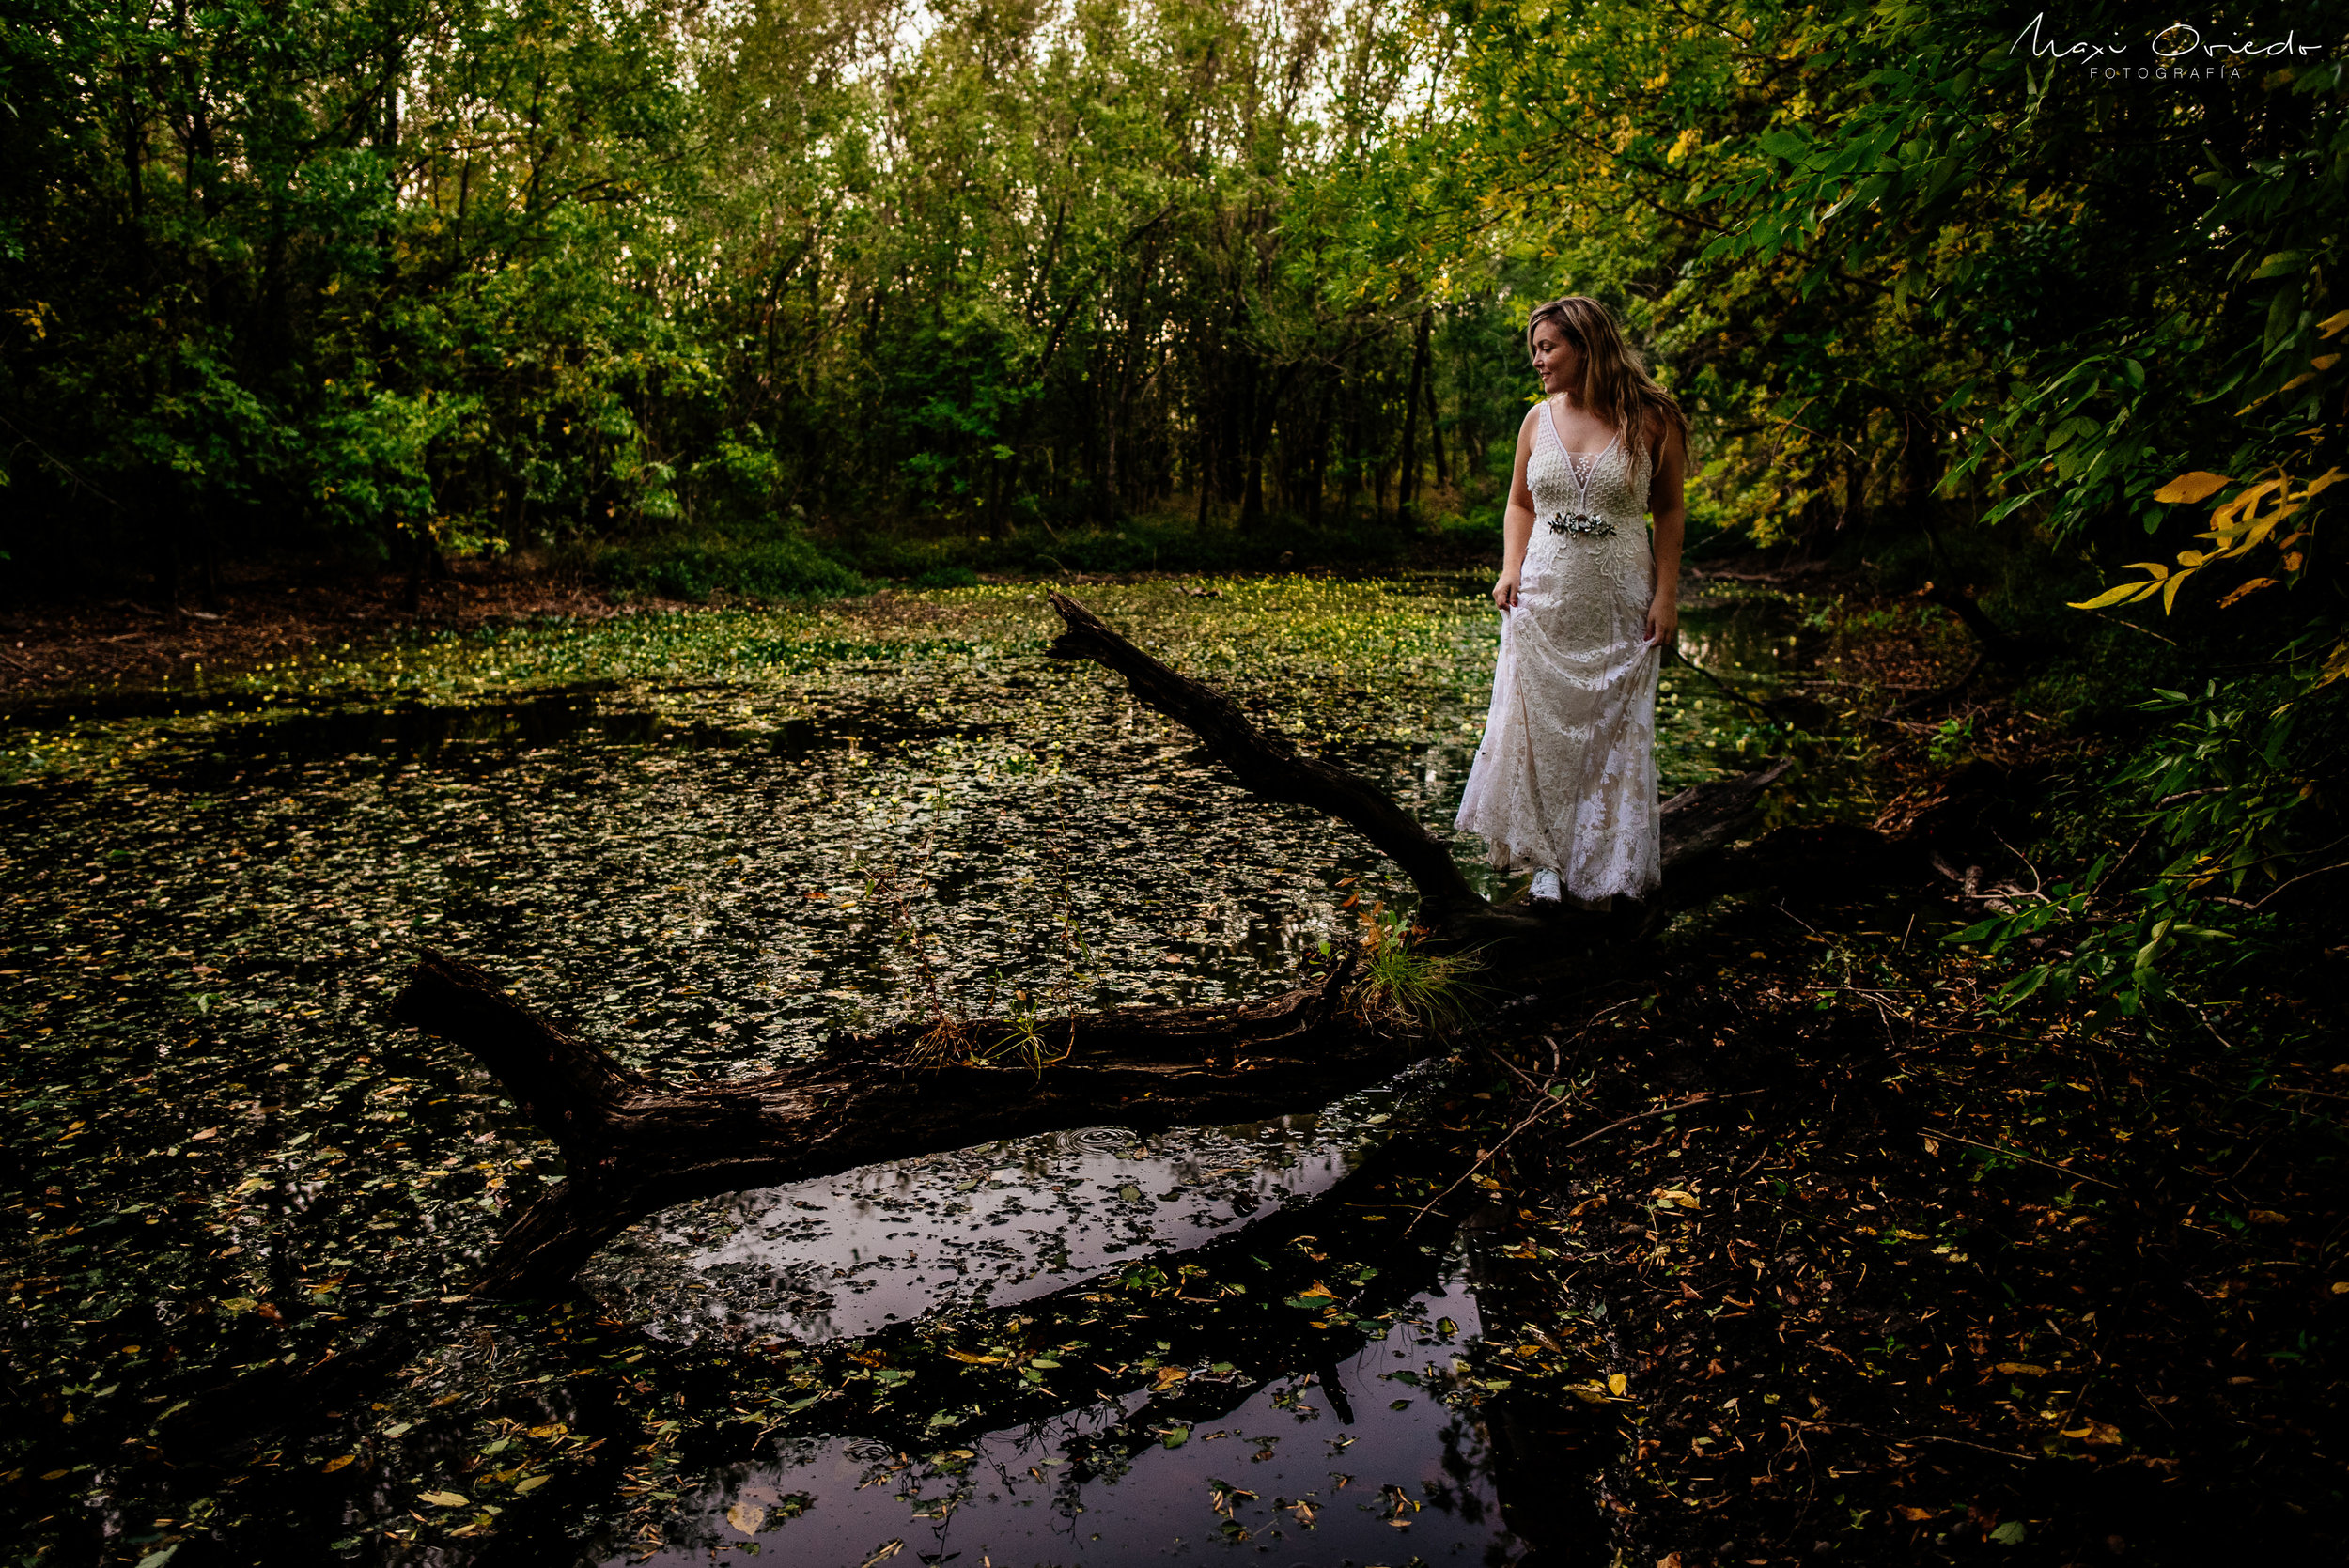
{"x":469,"y":276}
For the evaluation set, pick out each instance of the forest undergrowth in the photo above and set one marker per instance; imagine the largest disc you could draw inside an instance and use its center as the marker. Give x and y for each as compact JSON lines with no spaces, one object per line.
{"x":1894,"y":1273}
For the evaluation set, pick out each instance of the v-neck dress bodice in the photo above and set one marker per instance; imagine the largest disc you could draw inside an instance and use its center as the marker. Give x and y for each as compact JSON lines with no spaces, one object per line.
{"x":1564,"y":777}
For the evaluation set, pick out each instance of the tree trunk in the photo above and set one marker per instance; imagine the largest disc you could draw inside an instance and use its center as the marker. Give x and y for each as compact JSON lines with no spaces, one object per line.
{"x":1406,"y":485}
{"x":1317,"y":462}
{"x":1435,"y":432}
{"x":168,"y":515}
{"x":632,"y":1144}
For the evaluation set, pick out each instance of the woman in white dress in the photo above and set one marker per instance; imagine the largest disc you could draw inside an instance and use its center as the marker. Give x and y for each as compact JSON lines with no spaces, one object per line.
{"x":1565,"y":780}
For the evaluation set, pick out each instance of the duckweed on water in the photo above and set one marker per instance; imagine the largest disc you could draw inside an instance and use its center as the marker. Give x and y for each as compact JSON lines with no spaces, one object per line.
{"x":248,"y":1197}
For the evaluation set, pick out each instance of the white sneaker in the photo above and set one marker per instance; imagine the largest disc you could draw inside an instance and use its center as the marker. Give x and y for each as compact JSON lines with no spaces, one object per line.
{"x":1546,"y":886}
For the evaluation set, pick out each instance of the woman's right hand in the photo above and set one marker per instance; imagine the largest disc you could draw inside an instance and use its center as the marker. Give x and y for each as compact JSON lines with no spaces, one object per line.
{"x":1505,"y":591}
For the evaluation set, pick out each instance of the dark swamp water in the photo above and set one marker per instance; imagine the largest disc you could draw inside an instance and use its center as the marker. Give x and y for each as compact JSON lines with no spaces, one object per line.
{"x":249,"y":1201}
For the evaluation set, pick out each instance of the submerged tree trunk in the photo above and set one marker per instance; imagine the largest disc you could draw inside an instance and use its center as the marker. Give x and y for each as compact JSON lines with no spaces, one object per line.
{"x":632,"y":1144}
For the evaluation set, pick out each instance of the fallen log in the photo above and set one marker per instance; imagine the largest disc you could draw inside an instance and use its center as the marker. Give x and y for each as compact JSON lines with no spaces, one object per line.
{"x":632,"y":1144}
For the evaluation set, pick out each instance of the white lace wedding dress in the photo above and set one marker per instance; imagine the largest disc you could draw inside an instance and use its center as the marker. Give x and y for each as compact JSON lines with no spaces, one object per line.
{"x":1565,"y":779}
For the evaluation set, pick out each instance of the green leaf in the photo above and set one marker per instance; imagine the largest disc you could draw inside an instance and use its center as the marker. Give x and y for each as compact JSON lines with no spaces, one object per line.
{"x":2009,"y":1534}
{"x":157,"y":1559}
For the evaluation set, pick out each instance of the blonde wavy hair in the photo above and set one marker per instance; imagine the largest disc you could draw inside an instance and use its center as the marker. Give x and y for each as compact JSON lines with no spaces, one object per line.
{"x":1616,"y":387}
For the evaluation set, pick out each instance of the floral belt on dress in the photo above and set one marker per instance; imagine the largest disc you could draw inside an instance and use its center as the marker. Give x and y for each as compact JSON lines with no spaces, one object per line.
{"x":1580,"y":523}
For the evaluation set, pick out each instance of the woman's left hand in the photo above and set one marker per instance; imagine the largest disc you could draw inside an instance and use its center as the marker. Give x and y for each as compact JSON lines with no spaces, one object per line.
{"x":1663,"y":621}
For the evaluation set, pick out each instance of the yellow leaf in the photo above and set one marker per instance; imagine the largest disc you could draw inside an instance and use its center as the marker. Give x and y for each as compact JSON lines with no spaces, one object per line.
{"x":2265,"y":526}
{"x":1317,"y":1288}
{"x":2158,"y":569}
{"x":965,"y":1356}
{"x":1913,"y":1514}
{"x":2332,"y":323}
{"x":2170,"y":590}
{"x":1618,"y":1383}
{"x":1170,"y":1375}
{"x":2111,"y":597}
{"x":2193,"y":487}
{"x":337,"y":1464}
{"x":444,"y":1500}
{"x":2242,"y":503}
{"x":2325,"y":361}
{"x":2268,"y":1217}
{"x":2303,"y":379}
{"x":2190,"y":557}
{"x":533,"y":1483}
{"x":2020,"y":1369}
{"x":2292,"y":561}
{"x":2332,"y":477}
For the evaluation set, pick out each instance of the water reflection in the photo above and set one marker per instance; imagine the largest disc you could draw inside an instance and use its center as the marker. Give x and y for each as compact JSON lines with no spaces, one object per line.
{"x":996,"y":1224}
{"x":1344,"y":1463}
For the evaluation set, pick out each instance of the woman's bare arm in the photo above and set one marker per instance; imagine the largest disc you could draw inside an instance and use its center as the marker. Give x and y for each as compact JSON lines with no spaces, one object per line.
{"x":1667,"y":504}
{"x":1517,"y":521}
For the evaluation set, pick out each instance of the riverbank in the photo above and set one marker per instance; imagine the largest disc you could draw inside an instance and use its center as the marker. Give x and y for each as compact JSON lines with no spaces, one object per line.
{"x":126,"y":638}
{"x":120,"y":644}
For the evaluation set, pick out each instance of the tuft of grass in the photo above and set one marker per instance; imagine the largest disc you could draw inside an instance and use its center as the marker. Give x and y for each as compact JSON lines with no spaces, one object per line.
{"x":1407,"y":985}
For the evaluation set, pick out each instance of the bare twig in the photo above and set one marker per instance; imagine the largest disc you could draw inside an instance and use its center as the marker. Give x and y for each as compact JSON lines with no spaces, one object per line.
{"x":2029,"y":1159}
